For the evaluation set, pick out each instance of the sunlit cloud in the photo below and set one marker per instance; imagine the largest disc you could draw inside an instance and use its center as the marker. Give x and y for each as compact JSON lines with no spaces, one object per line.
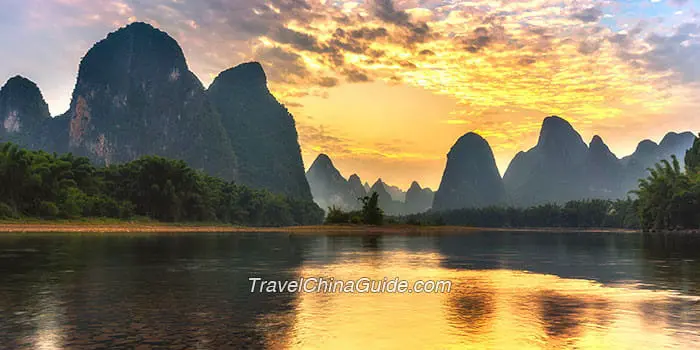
{"x":617,"y":68}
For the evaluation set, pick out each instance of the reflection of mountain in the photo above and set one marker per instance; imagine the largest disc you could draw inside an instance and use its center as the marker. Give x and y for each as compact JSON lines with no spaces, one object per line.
{"x":604,"y":257}
{"x":185,"y":291}
{"x":561,"y":314}
{"x":472,"y":307}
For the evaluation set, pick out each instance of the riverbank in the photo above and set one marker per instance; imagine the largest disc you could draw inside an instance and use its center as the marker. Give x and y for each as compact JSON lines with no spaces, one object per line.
{"x":108,"y":226}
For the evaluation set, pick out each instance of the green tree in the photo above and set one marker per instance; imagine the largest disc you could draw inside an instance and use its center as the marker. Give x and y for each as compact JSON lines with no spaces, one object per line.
{"x":372,"y":214}
{"x":38,"y":184}
{"x":692,"y":157}
{"x":668,"y":198}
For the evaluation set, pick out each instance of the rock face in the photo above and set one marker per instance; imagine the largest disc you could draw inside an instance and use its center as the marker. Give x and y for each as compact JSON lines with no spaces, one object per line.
{"x":328,"y":187}
{"x":261,"y":130}
{"x":648,"y":153}
{"x":552,"y":170}
{"x":561,"y":167}
{"x":24,"y":115}
{"x":396,"y":193}
{"x":603,"y":171}
{"x":471,"y":178}
{"x":418,"y":199}
{"x":384,"y":195}
{"x":135,"y":96}
{"x":357,"y":190}
{"x":386,"y":202}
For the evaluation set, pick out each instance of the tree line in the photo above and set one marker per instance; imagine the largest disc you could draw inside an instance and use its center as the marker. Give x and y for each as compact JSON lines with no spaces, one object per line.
{"x":38,"y":184}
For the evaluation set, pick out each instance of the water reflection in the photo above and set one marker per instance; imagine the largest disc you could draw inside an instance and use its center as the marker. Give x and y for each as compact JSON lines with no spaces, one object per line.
{"x":509,"y":291}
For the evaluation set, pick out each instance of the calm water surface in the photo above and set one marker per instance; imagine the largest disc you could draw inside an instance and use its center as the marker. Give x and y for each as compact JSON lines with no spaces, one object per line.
{"x":510,"y":290}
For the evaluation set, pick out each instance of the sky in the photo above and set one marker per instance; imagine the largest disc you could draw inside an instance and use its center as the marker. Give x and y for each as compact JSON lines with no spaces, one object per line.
{"x":385,"y":87}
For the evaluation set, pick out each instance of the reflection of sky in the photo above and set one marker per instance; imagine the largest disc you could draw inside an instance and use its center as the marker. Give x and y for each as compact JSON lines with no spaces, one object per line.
{"x":492,"y":309}
{"x":390,"y":104}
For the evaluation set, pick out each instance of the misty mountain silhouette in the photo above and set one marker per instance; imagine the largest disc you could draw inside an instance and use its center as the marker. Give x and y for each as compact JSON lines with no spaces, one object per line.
{"x":471,"y":177}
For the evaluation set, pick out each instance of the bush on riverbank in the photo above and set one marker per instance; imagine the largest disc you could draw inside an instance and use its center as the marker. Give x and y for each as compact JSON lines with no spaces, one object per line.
{"x":371,"y":213}
{"x":42,"y":185}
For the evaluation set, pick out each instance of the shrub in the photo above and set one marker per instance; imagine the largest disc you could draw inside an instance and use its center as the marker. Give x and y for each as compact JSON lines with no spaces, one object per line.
{"x":337,"y":216}
{"x":7,"y":212}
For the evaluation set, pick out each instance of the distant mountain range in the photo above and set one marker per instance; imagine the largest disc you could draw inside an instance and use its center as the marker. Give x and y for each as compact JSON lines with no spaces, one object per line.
{"x":330,"y":188}
{"x":561,"y":167}
{"x":135,"y":95}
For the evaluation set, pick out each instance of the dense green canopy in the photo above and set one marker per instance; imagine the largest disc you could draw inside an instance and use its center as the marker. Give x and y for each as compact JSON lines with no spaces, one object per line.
{"x":39,"y":184}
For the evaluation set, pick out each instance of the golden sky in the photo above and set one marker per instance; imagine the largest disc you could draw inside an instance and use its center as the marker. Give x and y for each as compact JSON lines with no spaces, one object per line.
{"x":386,"y":87}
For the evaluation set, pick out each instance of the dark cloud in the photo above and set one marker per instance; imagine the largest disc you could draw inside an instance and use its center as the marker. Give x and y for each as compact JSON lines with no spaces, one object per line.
{"x":328,"y":82}
{"x":479,"y":40}
{"x":625,"y":40}
{"x":415,"y":32}
{"x":319,"y":137}
{"x":407,"y":64}
{"x":679,"y":52}
{"x":426,"y":53}
{"x":356,"y":76}
{"x":385,"y":10}
{"x":588,"y":47}
{"x":369,"y":33}
{"x":526,"y":61}
{"x":301,"y":41}
{"x":482,"y":37}
{"x":288,"y":66}
{"x":293,"y":104}
{"x":592,"y":14}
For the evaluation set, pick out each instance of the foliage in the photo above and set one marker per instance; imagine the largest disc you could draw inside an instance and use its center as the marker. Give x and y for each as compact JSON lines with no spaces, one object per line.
{"x":583,"y":213}
{"x":7,"y":212}
{"x":692,"y":157}
{"x":38,"y":184}
{"x":371,"y":213}
{"x":337,"y":216}
{"x":669,"y":198}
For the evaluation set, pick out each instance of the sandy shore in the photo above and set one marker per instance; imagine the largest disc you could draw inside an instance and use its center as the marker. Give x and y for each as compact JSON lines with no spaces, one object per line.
{"x":136,"y":227}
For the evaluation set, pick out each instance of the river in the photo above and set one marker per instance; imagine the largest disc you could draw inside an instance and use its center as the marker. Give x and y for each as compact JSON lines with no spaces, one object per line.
{"x":509,"y":290}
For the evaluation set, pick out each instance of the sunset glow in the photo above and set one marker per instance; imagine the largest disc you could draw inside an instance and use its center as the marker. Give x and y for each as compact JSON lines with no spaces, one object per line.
{"x":386,"y":87}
